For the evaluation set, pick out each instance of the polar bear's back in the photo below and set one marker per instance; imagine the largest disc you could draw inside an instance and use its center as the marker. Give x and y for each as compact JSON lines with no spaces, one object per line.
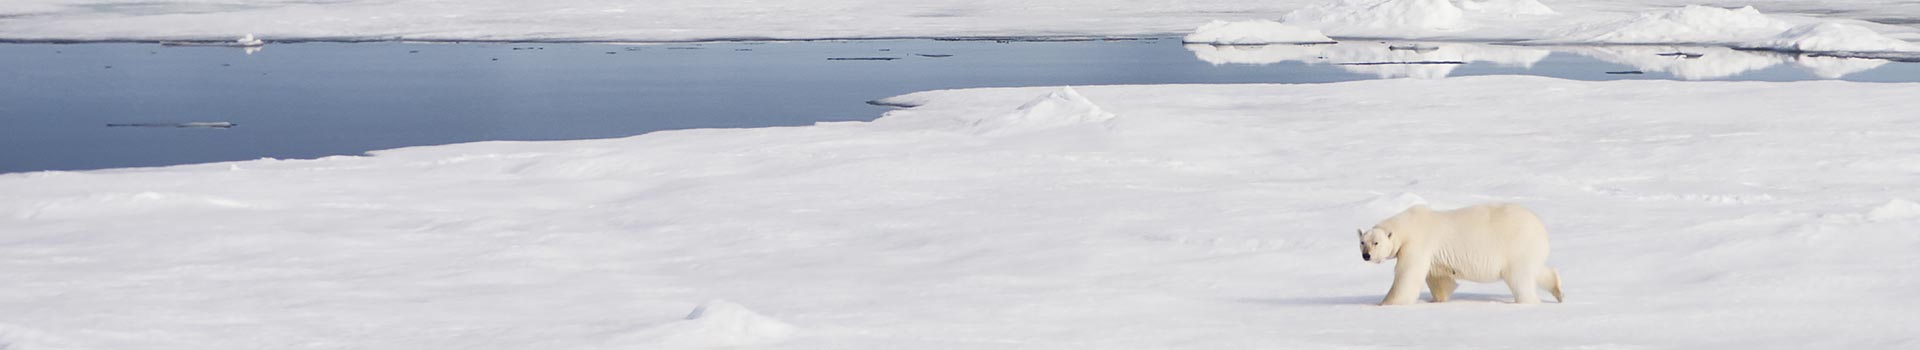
{"x":1503,"y":221}
{"x":1489,"y":237}
{"x":1478,"y":243}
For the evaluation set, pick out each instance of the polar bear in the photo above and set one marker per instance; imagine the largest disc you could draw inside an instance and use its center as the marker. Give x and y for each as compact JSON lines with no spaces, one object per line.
{"x":1482,"y":243}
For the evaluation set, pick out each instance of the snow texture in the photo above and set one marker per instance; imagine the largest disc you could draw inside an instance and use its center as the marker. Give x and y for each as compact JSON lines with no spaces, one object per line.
{"x":1058,"y":109}
{"x":1834,"y":37}
{"x":1743,"y":27}
{"x":1508,"y":7}
{"x":1255,"y":32}
{"x":719,"y":323}
{"x":1693,"y":24}
{"x":1683,"y":215}
{"x":1381,"y":17}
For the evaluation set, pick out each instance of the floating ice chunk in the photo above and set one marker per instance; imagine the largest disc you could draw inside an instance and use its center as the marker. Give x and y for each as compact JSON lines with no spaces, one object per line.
{"x":1382,"y":17}
{"x":249,"y":41}
{"x":719,"y":323}
{"x":1691,"y":24}
{"x":1060,"y":108}
{"x":1255,"y":32}
{"x":1833,"y":37}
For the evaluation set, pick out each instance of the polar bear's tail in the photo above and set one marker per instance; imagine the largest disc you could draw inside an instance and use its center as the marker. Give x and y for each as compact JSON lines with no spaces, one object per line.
{"x":1550,"y":278}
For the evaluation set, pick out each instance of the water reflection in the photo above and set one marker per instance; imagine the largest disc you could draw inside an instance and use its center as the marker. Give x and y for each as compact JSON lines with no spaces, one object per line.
{"x":1439,"y":60}
{"x":1830,"y":67}
{"x":1423,"y":60}
{"x":1690,"y":63}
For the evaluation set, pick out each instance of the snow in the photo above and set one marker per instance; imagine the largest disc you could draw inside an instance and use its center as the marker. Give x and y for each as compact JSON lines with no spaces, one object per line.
{"x":1508,"y":7}
{"x":1255,"y":32}
{"x":1384,"y":18}
{"x":249,"y":40}
{"x":1693,"y":24}
{"x":1683,"y":215}
{"x":1684,"y":62}
{"x":1743,"y":27}
{"x":1834,"y":37}
{"x":717,"y":324}
{"x":1895,"y":210}
{"x":1059,"y":109}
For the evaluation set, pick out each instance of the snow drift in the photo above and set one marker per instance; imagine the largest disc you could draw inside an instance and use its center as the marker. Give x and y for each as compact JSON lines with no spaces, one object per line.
{"x":1742,"y":27}
{"x":1256,"y":32}
{"x":1057,"y":109}
{"x":719,"y":323}
{"x":1693,"y":24}
{"x":1833,"y":37}
{"x":1508,"y":7}
{"x":1381,"y":17}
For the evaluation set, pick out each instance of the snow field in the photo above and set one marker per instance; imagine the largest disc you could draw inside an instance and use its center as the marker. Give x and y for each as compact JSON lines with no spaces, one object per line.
{"x":1708,"y":214}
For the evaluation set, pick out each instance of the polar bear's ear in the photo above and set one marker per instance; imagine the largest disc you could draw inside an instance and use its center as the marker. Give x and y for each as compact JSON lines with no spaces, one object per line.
{"x":1389,"y":234}
{"x":1361,"y":232}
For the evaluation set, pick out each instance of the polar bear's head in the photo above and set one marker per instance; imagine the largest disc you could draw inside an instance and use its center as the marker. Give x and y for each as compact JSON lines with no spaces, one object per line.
{"x":1377,"y":246}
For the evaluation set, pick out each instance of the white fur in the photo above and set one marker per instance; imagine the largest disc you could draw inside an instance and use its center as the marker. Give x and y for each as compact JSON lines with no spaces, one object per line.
{"x":1482,"y":243}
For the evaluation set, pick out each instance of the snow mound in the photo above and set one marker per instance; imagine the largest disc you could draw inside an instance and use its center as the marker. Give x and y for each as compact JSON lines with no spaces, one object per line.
{"x":1382,"y":17}
{"x":1691,"y":24}
{"x":1833,"y":37}
{"x":1057,"y":109}
{"x":719,"y":323}
{"x":1897,"y":209}
{"x":1255,"y":32}
{"x":1508,"y":7}
{"x":1385,"y":205}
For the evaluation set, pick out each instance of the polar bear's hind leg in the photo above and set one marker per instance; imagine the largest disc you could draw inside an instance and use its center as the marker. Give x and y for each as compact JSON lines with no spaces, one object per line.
{"x":1550,"y":279}
{"x":1525,"y":290}
{"x":1442,"y":287}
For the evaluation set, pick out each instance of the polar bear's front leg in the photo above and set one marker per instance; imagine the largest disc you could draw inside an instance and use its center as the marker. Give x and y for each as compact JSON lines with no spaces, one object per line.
{"x":1409,"y":277}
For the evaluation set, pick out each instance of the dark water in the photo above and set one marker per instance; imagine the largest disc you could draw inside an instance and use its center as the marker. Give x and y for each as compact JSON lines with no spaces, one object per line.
{"x":318,"y":99}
